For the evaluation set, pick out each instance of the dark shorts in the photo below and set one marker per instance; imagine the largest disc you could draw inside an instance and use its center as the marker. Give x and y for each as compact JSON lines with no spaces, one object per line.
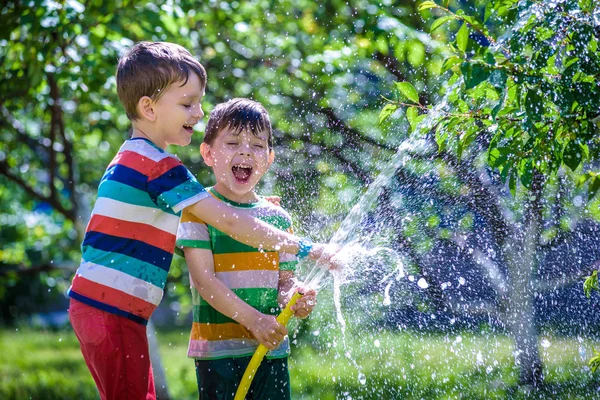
{"x":219,"y":379}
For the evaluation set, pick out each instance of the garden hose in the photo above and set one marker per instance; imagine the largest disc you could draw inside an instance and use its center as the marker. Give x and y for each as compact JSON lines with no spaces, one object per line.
{"x":261,"y":351}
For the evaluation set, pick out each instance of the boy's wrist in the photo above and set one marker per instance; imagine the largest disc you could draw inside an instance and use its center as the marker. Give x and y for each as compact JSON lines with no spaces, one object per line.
{"x":304,"y":248}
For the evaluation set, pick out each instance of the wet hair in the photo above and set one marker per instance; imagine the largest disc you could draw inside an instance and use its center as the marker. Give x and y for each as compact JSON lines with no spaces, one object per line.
{"x":149,"y":68}
{"x":238,"y":114}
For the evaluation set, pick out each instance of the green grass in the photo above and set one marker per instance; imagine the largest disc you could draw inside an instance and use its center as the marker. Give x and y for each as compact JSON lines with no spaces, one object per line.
{"x":407,"y":365}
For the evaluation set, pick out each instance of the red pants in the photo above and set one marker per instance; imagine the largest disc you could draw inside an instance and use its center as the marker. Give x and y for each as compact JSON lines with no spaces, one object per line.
{"x":115,"y":350}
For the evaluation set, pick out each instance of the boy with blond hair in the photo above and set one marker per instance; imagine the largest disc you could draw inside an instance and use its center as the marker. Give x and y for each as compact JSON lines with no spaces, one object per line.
{"x":238,"y":289}
{"x":130,"y":239}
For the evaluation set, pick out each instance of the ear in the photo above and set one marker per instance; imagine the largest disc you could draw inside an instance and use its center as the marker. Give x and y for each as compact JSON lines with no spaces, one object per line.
{"x":206,"y":153}
{"x":271,"y":157}
{"x":144,"y":108}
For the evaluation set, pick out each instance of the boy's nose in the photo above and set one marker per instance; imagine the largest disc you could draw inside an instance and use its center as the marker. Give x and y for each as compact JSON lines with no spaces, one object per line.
{"x":244,"y":149}
{"x":197,"y":112}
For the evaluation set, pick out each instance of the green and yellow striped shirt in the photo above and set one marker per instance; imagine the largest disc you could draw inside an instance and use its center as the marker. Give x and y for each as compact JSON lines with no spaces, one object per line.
{"x":250,"y":273}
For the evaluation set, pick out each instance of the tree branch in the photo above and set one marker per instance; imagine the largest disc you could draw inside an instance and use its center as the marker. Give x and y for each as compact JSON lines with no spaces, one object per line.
{"x":391,"y":64}
{"x":57,"y":116}
{"x":482,"y":197}
{"x":5,"y":170}
{"x":338,"y":125}
{"x":37,"y":146}
{"x":338,"y":154}
{"x":34,"y":270}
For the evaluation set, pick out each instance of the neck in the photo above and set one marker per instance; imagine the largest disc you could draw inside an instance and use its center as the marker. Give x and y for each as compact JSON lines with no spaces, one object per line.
{"x":244,"y":198}
{"x":143,"y":132}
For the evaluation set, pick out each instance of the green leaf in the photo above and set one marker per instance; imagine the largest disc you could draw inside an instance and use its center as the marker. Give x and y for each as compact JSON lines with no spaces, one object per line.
{"x":526,"y":173}
{"x":512,"y":184}
{"x":386,"y":112}
{"x":440,"y":21}
{"x":534,"y":105}
{"x":441,"y":138}
{"x":408,"y":91}
{"x":582,"y":179}
{"x":590,"y":283}
{"x":474,"y":74}
{"x":593,"y":187}
{"x":595,"y":361}
{"x":450,"y":62}
{"x":427,"y":4}
{"x":411,"y":115}
{"x":462,"y":38}
{"x":572,"y":155}
{"x":494,"y":158}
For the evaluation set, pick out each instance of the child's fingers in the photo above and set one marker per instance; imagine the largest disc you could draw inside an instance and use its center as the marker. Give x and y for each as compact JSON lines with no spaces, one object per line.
{"x":275,"y":200}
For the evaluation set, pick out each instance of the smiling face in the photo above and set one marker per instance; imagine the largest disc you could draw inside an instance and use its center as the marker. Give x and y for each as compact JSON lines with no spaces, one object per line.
{"x":239,"y":160}
{"x":176,"y":112}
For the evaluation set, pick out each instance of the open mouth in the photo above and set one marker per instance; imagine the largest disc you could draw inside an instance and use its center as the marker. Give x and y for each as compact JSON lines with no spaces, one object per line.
{"x":241,"y":173}
{"x":189,"y":128}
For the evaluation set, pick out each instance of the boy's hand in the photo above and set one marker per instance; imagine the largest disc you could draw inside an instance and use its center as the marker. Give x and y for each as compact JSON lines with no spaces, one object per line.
{"x":275,"y":200}
{"x":326,"y":255}
{"x":305,"y":304}
{"x":268,"y":331}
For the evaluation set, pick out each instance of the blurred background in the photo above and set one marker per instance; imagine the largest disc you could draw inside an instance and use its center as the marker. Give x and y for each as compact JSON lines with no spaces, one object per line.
{"x":487,"y":203}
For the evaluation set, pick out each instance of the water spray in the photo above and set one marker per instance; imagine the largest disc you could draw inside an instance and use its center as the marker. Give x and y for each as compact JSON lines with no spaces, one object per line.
{"x":351,"y":253}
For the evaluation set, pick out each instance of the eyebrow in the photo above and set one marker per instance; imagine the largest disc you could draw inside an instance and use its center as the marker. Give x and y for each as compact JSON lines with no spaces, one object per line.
{"x":190,"y":96}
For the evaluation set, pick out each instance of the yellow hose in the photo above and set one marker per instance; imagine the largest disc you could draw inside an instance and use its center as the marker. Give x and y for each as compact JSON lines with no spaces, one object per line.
{"x":260,"y":352}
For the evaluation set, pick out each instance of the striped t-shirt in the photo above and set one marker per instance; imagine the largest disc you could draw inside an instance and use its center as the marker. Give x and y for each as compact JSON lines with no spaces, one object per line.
{"x":251,"y":274}
{"x":130,"y":238}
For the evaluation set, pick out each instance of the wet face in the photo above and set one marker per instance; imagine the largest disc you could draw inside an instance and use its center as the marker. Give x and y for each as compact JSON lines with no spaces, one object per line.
{"x":177,"y":111}
{"x":239,"y":160}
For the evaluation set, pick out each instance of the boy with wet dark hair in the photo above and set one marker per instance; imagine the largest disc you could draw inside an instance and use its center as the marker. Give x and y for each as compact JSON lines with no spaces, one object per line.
{"x":130,"y":239}
{"x":238,"y":289}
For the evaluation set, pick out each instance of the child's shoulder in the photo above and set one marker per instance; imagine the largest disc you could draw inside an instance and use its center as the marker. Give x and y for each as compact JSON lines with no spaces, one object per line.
{"x":145,"y":148}
{"x":274,"y":210}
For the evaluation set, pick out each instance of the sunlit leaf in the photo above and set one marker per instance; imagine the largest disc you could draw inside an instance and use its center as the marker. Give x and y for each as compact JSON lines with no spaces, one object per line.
{"x":427,"y":4}
{"x":462,"y":38}
{"x":590,"y":283}
{"x":441,"y":21}
{"x":408,"y":90}
{"x":411,"y":115}
{"x":386,"y":112}
{"x":593,"y":187}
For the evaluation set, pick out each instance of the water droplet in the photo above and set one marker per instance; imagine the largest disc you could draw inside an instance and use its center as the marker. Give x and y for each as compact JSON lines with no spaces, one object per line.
{"x":362,"y":378}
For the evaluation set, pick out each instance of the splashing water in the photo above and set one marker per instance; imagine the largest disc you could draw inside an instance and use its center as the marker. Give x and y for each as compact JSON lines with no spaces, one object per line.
{"x":360,"y":253}
{"x":358,"y":260}
{"x":355,"y":256}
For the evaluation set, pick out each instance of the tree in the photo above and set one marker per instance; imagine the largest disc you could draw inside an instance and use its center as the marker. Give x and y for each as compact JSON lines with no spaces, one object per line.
{"x":62,"y":122}
{"x":526,"y":104}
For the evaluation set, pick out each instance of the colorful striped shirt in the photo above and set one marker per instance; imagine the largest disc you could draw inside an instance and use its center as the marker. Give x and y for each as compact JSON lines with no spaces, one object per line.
{"x":130,"y":238}
{"x":251,"y":274}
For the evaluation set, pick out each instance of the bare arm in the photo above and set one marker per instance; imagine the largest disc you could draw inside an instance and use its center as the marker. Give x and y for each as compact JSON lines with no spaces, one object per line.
{"x":265,"y":328}
{"x":241,"y":226}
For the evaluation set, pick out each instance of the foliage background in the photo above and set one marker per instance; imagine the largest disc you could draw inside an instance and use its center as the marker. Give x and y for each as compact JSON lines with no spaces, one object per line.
{"x":517,"y":142}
